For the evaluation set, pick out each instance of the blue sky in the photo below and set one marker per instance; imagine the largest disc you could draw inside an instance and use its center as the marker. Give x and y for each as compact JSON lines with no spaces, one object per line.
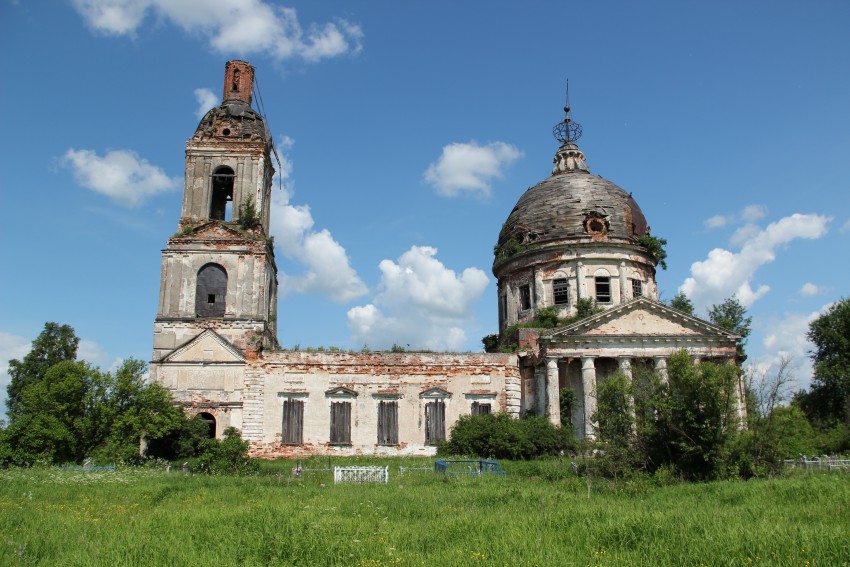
{"x":408,"y":130}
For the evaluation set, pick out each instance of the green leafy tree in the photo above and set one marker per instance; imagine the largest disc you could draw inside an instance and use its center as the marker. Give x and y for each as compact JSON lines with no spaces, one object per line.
{"x":138,"y":410}
{"x":51,"y":423}
{"x":683,"y":303}
{"x":731,"y":316}
{"x":829,"y":396}
{"x":70,"y":410}
{"x":55,"y":343}
{"x":615,"y":427}
{"x":701,"y":415}
{"x":491,"y":343}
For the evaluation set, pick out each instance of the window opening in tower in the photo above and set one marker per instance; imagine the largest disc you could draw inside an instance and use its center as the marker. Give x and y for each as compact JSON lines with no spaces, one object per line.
{"x":221,"y":206}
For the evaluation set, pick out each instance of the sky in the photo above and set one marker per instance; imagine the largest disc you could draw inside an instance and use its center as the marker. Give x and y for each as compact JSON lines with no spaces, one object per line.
{"x":407,"y":132}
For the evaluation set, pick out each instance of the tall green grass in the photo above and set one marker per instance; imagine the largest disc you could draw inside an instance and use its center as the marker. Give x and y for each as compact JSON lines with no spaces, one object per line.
{"x":542,"y":514}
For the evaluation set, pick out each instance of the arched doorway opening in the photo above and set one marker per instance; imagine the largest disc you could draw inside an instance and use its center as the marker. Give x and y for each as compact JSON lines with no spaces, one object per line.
{"x":209,"y":419}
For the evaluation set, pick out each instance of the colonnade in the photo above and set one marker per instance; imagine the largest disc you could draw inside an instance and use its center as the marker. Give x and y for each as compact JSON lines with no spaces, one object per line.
{"x":551,"y":399}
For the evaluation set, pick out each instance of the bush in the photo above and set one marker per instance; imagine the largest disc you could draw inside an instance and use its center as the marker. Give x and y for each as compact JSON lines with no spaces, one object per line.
{"x":499,"y":436}
{"x":228,"y":456}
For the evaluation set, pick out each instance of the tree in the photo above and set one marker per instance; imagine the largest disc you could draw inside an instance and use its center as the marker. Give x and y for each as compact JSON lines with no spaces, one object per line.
{"x":138,"y":410}
{"x":731,"y":316}
{"x":66,"y":411}
{"x":829,"y":396}
{"x":51,"y":423}
{"x":55,"y":343}
{"x":683,"y":303}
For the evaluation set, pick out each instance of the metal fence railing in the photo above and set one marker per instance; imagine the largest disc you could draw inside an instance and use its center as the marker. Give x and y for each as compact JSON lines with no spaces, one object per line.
{"x":361,"y":474}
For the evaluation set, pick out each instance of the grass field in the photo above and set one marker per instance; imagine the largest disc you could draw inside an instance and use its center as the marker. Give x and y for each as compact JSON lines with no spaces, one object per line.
{"x":541,"y":514}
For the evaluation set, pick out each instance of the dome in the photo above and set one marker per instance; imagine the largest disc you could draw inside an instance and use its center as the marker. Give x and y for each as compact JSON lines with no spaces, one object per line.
{"x":573,"y":206}
{"x":233,"y":120}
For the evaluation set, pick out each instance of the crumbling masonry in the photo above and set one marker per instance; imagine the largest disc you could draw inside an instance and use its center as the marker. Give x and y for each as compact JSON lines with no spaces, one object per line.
{"x":572,"y":237}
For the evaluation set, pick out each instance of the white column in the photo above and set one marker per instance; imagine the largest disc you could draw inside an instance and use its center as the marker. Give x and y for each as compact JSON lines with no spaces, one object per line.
{"x":540,"y":391}
{"x":661,"y":368}
{"x":580,"y":291}
{"x":625,"y":364}
{"x":553,"y":396}
{"x":588,"y":392}
{"x":623,"y":283}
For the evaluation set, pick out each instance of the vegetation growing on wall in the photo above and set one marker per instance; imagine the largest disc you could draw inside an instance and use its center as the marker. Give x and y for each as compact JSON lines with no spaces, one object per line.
{"x":655,"y":246}
{"x":510,"y":247}
{"x":248,"y":215}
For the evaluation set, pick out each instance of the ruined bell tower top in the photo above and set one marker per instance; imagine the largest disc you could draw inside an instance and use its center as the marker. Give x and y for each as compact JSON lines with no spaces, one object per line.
{"x":238,"y":82}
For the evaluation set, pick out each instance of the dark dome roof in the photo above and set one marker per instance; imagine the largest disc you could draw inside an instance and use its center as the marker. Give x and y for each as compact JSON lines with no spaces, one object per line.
{"x":233,"y":119}
{"x":563,"y":207}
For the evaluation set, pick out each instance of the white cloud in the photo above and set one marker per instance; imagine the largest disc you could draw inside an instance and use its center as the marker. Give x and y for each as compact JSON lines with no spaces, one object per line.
{"x":421,"y":303}
{"x":91,"y":352}
{"x":470,"y":167}
{"x":787,"y":338}
{"x":809,"y":289}
{"x":206,"y":100}
{"x":846,"y":226}
{"x":753,"y":213}
{"x":748,"y":215}
{"x":744,"y":234}
{"x":121,"y":175}
{"x":717,"y":221}
{"x":328,"y":269}
{"x":240,"y":27}
{"x":724,"y":273}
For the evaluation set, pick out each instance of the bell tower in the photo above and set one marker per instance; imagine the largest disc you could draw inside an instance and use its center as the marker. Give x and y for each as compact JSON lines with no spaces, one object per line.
{"x":218,"y":269}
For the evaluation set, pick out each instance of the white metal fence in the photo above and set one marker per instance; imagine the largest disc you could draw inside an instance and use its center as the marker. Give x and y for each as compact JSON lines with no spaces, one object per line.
{"x":361,"y":474}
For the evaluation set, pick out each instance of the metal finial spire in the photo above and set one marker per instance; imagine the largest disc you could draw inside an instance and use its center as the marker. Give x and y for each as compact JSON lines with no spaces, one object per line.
{"x":567,"y":131}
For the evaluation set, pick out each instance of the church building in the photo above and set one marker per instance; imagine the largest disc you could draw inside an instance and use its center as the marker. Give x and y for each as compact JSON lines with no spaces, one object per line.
{"x":572,"y":240}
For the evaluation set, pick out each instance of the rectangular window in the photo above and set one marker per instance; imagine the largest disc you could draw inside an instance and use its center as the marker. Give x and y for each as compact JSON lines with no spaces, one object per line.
{"x":560,"y":292}
{"x":388,"y":423}
{"x":603,"y":289}
{"x":293,"y":422}
{"x":503,"y":307}
{"x":435,"y":422}
{"x":637,"y":288}
{"x":479,"y":408}
{"x":524,"y":298}
{"x":341,"y":423}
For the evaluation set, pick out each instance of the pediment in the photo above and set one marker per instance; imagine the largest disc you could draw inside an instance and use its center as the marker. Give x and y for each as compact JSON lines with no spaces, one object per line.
{"x":208,"y":347}
{"x":435,"y":393}
{"x":215,"y":230}
{"x":341,"y":392}
{"x":645,"y":318}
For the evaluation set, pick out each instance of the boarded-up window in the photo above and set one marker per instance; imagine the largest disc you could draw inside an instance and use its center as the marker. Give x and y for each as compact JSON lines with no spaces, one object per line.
{"x":480,"y":408}
{"x":211,"y":291}
{"x":293,"y":422}
{"x":388,"y":423}
{"x":435,"y":422}
{"x":341,"y":423}
{"x":560,"y":292}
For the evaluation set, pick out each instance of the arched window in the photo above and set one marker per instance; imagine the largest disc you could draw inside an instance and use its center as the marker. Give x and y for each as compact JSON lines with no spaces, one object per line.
{"x":209,"y":419}
{"x":211,"y":291}
{"x":221,"y":204}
